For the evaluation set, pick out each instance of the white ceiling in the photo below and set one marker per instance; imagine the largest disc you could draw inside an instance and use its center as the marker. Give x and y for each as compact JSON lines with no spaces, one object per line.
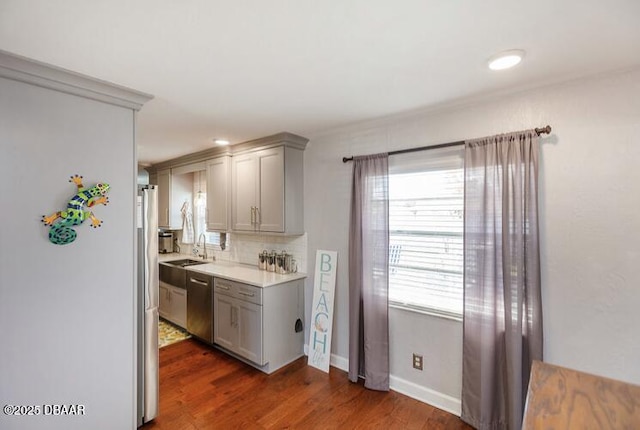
{"x":249,"y":68}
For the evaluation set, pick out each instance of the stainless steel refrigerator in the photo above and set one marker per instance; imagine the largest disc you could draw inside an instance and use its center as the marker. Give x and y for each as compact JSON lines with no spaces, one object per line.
{"x":147,"y":309}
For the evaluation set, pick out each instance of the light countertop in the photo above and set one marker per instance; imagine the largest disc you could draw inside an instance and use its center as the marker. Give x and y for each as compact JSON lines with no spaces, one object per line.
{"x":235,"y":271}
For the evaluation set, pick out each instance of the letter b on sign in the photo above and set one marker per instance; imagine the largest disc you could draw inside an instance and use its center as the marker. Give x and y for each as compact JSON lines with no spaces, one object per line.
{"x":325,"y":263}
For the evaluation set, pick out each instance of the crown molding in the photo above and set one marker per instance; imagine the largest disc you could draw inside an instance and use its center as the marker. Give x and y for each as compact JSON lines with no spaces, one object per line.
{"x":281,"y":139}
{"x":284,"y":138}
{"x":22,"y":69}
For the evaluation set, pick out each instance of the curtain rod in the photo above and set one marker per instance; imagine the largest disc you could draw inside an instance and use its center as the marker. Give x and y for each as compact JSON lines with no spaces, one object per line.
{"x":539,"y":131}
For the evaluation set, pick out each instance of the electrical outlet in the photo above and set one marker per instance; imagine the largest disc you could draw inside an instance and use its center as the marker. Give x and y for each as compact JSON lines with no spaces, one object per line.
{"x":417,"y":361}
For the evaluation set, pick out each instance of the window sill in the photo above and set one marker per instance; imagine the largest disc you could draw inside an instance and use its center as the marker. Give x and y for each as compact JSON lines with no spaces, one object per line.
{"x":427,"y":311}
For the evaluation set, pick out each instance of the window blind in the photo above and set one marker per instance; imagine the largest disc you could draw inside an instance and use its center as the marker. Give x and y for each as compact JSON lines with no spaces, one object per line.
{"x":426,"y":199}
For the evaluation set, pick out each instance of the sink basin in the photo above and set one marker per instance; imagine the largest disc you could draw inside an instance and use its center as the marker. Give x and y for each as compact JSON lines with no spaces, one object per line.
{"x":186,"y":262}
{"x":175,"y":273}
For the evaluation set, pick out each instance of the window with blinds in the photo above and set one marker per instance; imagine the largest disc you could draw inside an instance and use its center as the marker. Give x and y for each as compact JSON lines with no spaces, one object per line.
{"x":200,"y":209}
{"x":426,"y":192}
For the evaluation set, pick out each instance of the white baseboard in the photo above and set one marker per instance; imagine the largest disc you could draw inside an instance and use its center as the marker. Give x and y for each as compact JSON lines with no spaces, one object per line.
{"x":408,"y":388}
{"x":339,"y":362}
{"x":335,"y":360}
{"x":426,"y":395}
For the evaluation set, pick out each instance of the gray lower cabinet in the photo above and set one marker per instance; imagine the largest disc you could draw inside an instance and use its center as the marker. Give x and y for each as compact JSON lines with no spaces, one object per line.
{"x":259,"y":324}
{"x":238,"y":327}
{"x":173,"y":304}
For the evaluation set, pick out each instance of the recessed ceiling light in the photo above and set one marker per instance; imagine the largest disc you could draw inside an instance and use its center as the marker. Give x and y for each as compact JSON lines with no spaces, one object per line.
{"x":506,"y":59}
{"x":221,"y":142}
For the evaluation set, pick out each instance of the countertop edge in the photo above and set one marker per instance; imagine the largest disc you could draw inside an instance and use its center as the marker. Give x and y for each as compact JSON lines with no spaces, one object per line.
{"x":269,"y":279}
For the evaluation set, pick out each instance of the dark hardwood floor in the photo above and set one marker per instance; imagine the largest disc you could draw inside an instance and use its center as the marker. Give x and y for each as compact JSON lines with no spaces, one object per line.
{"x":202,"y":388}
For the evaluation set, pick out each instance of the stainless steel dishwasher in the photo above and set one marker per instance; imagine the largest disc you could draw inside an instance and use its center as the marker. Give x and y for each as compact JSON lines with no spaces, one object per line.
{"x":200,"y":305}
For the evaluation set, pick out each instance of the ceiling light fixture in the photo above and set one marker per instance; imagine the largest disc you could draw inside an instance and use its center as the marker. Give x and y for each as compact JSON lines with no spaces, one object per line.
{"x":221,"y":142}
{"x":506,"y":59}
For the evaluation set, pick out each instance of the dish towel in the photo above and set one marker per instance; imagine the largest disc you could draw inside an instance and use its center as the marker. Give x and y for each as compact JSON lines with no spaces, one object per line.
{"x":187,"y":223}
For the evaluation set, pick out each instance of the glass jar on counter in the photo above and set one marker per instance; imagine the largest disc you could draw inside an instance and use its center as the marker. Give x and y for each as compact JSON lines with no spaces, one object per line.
{"x":271,"y":261}
{"x":262,"y":260}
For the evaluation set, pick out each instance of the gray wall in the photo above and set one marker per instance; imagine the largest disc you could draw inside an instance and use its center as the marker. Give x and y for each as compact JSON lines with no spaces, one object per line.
{"x":590,"y":228}
{"x":66,"y":312}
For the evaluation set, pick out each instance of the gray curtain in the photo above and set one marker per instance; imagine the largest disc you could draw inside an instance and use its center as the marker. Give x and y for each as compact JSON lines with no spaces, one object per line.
{"x":369,"y":272}
{"x":502,"y":299}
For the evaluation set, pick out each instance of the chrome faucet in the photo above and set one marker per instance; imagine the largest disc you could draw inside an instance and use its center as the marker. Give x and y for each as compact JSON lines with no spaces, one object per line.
{"x":204,"y":245}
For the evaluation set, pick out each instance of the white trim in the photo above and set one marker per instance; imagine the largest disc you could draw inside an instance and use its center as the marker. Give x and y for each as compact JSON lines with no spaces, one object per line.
{"x":427,"y":311}
{"x":336,"y":361}
{"x":425,"y":395}
{"x":340,"y":362}
{"x":44,"y":75}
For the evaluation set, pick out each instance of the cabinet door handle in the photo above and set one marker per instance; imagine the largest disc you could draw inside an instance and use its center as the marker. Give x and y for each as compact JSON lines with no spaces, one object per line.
{"x":196,"y":281}
{"x":246,"y":294}
{"x":223,"y":287}
{"x":234,"y":317}
{"x":258,"y":216}
{"x":167,"y":218}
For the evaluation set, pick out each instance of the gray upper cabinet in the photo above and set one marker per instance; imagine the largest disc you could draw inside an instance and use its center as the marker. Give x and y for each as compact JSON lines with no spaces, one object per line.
{"x":267,"y":188}
{"x":270,"y":214}
{"x":218,"y":193}
{"x":254,"y":186}
{"x":164,"y":198}
{"x":174,"y":188}
{"x":244,"y":180}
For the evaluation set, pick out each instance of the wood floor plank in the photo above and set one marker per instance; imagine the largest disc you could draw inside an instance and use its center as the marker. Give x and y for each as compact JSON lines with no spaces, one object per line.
{"x":203,"y":388}
{"x":308,"y":384}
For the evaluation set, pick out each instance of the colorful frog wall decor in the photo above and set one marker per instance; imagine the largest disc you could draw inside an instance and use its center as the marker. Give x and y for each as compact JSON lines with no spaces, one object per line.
{"x":61,"y":232}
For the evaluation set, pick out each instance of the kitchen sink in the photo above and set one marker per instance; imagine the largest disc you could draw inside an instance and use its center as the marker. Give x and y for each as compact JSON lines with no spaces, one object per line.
{"x":175,"y":273}
{"x":185,"y":262}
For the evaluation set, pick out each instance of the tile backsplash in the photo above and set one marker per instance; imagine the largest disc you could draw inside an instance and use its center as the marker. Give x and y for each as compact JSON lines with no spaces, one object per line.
{"x":244,"y":248}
